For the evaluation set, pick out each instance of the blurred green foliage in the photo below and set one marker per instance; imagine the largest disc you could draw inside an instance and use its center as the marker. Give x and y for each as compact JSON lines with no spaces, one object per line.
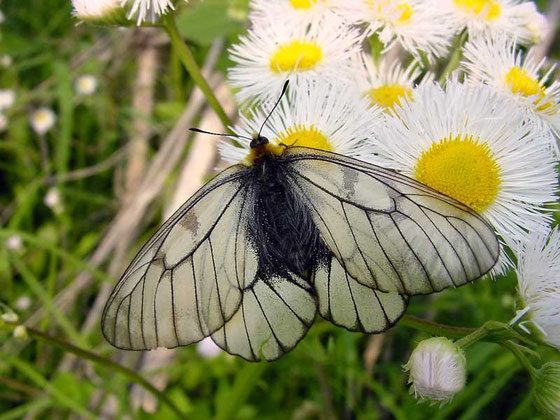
{"x":324,"y":377}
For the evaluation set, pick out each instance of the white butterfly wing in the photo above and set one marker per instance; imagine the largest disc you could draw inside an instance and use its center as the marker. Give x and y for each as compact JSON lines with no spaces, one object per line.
{"x":189,"y":278}
{"x":389,"y":232}
{"x":349,"y":304}
{"x":275,"y":315}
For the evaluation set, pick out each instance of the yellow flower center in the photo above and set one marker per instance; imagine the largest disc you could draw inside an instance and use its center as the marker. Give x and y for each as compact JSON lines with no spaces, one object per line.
{"x":402,"y":6}
{"x":295,"y":55}
{"x":304,"y":4}
{"x":521,"y":83}
{"x":298,"y":135}
{"x":462,"y":168}
{"x":491,"y":8}
{"x":389,"y":96}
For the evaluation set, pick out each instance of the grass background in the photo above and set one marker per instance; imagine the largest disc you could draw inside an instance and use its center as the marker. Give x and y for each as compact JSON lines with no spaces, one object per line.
{"x":332,"y":373}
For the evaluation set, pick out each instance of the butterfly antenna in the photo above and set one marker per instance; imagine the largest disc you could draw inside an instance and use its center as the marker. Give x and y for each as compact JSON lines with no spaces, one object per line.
{"x":198,"y":130}
{"x":275,"y":105}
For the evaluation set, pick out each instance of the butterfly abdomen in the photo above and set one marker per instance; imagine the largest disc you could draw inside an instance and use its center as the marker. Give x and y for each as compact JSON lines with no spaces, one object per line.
{"x":282,"y":226}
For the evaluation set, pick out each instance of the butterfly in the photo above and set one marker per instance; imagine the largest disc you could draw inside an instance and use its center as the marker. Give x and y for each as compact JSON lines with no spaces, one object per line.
{"x":252,"y":256}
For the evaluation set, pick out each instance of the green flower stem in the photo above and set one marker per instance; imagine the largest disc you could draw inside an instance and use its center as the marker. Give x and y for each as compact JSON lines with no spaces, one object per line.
{"x":103,"y":361}
{"x":435,"y":328}
{"x":456,"y":56}
{"x":491,"y":331}
{"x":516,"y":351}
{"x":187,"y":58}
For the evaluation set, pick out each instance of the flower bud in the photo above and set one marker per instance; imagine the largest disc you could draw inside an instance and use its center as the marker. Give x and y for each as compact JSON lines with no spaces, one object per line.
{"x":546,"y":390}
{"x":10,"y":317}
{"x":20,"y":333}
{"x":437,"y":369}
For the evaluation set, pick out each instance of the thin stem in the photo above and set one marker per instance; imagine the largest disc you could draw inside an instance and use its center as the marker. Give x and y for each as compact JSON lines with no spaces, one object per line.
{"x":187,"y":58}
{"x":108,"y":363}
{"x":477,"y":335}
{"x":456,"y":56}
{"x":513,"y":348}
{"x":435,"y":328}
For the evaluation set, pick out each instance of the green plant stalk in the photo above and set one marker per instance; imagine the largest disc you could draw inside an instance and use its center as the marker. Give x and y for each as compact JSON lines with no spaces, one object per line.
{"x":103,"y":361}
{"x":187,"y":58}
{"x":456,"y":56}
{"x":435,"y":328}
{"x":513,"y":348}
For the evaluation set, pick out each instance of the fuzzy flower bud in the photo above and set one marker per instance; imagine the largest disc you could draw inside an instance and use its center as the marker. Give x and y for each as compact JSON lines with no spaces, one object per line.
{"x":437,"y":369}
{"x":208,"y":349}
{"x":10,"y":317}
{"x":546,"y":390}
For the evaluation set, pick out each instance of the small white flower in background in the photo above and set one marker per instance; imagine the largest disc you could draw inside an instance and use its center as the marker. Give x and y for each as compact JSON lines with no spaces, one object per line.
{"x":388,"y":83}
{"x":20,"y":333}
{"x":99,"y":11}
{"x":418,"y":25}
{"x":43,"y":120}
{"x":86,"y":84}
{"x":497,"y":63}
{"x":2,"y":17}
{"x":52,"y":199}
{"x":10,"y":317}
{"x":3,"y":122}
{"x":545,"y":390}
{"x":14,"y":243}
{"x":538,"y":273}
{"x":270,"y":54}
{"x":303,"y":11}
{"x":473,"y":145}
{"x":6,"y":61}
{"x":490,"y":18}
{"x":313,"y":114}
{"x":7,"y":98}
{"x":437,"y":370}
{"x":208,"y":349}
{"x":147,"y":10}
{"x":537,"y":23}
{"x":23,"y":303}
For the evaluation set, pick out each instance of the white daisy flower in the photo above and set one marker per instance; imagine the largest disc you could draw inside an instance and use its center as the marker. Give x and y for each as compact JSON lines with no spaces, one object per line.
{"x":23,"y":303}
{"x":208,"y":349}
{"x":538,"y":273}
{"x":469,"y":143}
{"x":14,"y":243}
{"x":7,"y":98}
{"x":99,"y":11}
{"x":301,"y":11}
{"x":271,"y":53}
{"x":43,"y":120}
{"x":148,"y":10}
{"x":497,"y":63}
{"x":537,"y":23}
{"x":388,"y":83}
{"x":314,"y":114}
{"x":418,"y":25}
{"x":438,"y":369}
{"x":86,"y":85}
{"x":491,"y":18}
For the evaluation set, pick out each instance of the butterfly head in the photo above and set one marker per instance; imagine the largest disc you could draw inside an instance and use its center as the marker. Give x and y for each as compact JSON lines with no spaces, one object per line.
{"x":258,"y":141}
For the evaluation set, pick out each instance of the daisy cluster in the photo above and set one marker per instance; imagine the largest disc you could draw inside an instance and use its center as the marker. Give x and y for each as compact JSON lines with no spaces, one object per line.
{"x":448,"y":92}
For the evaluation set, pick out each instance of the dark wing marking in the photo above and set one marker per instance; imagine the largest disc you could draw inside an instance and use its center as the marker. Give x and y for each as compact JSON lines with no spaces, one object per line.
{"x":349,"y":304}
{"x":389,"y":232}
{"x":275,"y":315}
{"x":188,"y":280}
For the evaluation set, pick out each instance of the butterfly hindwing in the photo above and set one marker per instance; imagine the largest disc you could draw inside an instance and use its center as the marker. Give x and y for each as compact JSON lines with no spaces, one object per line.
{"x":388,"y":231}
{"x":349,"y":304}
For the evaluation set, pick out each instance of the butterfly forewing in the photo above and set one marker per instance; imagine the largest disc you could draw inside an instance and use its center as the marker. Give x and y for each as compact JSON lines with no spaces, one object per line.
{"x":188,"y":280}
{"x":388,"y":231}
